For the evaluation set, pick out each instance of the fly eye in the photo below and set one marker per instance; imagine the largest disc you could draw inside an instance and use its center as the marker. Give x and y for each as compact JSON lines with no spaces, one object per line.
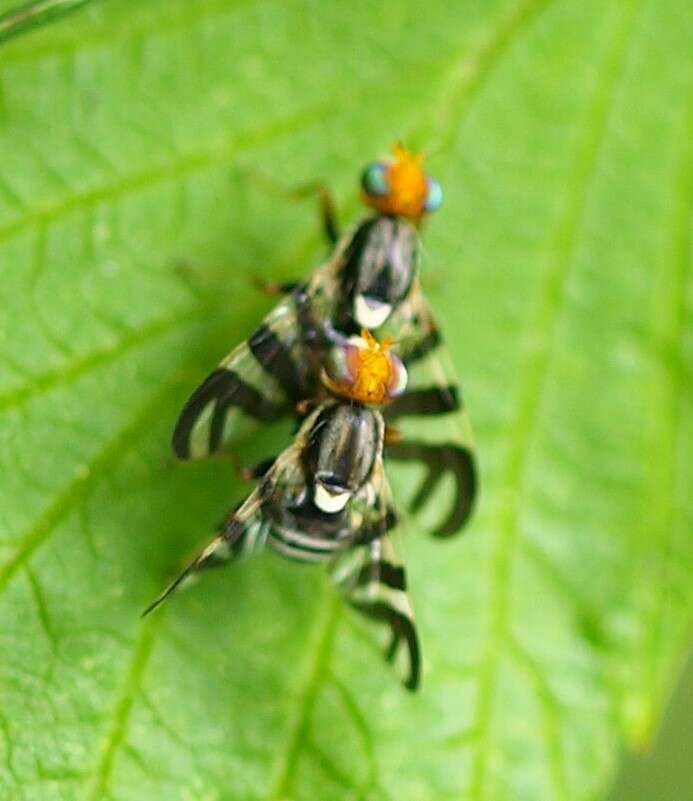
{"x":434,"y":195}
{"x":341,"y":363}
{"x":398,"y":377}
{"x":374,"y":180}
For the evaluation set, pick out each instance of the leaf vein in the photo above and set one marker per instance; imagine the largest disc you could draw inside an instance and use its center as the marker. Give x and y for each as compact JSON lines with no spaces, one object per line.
{"x":550,"y":714}
{"x":299,"y":726}
{"x":129,"y":33}
{"x":117,"y":731}
{"x":469,"y":74}
{"x":42,"y":608}
{"x":49,"y":379}
{"x":359,"y":721}
{"x":183,"y":164}
{"x":29,"y":15}
{"x":543,"y":331}
{"x":80,"y":486}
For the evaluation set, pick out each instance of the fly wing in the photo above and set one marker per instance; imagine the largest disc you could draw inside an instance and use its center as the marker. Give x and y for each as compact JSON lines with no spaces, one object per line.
{"x":265,"y":376}
{"x":243,"y":531}
{"x":247,"y":529}
{"x":371,"y":512}
{"x":431,"y":422}
{"x":373,"y":581}
{"x":412,"y":326}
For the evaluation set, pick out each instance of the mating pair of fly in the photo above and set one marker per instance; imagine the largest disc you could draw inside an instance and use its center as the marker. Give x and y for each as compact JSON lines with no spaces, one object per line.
{"x":315,"y":357}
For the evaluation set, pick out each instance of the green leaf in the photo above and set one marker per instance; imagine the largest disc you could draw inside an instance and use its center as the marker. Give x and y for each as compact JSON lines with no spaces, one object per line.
{"x":19,"y":19}
{"x":131,"y":225}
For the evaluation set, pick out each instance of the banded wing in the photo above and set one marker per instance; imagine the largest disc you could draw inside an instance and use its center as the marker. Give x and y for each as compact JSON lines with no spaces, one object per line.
{"x":246,"y":530}
{"x":264,"y":377}
{"x":300,"y":531}
{"x":373,"y":581}
{"x":241,"y":533}
{"x":413,"y":327}
{"x":280,"y":514}
{"x":431,"y":422}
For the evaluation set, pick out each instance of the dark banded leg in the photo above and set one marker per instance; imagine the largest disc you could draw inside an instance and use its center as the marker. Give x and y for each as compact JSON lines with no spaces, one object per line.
{"x":368,"y":534}
{"x":439,"y":460}
{"x":256,"y":471}
{"x":402,"y":632}
{"x":327,"y":206}
{"x":274,"y":288}
{"x":328,"y":212}
{"x":376,"y":588}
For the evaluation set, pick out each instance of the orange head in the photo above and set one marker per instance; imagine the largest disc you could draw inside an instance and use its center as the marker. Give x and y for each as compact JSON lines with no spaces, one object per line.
{"x":400,"y":187}
{"x":364,"y":371}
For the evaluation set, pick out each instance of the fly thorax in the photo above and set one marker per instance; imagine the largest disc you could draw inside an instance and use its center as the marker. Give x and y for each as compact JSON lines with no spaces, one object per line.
{"x":343,"y":446}
{"x":381,"y":263}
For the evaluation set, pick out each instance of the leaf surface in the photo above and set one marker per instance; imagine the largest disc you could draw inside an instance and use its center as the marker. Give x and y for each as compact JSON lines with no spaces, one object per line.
{"x":132,"y":221}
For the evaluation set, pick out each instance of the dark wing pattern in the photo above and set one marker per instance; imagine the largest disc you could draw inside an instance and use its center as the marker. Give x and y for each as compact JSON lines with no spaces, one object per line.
{"x":264,"y":377}
{"x":279,"y":514}
{"x":373,"y":582}
{"x":298,"y":530}
{"x":247,"y":529}
{"x":239,"y":392}
{"x":431,"y":421}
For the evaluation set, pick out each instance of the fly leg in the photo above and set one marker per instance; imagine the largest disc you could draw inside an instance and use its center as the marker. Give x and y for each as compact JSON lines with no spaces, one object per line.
{"x":327,"y":208}
{"x":426,"y":401}
{"x":326,"y":204}
{"x":255,"y":471}
{"x":276,"y":288}
{"x":330,"y":226}
{"x":439,"y":459}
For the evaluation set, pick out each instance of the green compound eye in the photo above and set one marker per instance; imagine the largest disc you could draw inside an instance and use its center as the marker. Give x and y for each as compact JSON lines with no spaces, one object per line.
{"x":434,"y":196}
{"x":374,"y":180}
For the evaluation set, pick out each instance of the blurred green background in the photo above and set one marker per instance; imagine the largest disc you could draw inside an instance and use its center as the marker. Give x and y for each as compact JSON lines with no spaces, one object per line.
{"x":132,"y":224}
{"x":665,"y":771}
